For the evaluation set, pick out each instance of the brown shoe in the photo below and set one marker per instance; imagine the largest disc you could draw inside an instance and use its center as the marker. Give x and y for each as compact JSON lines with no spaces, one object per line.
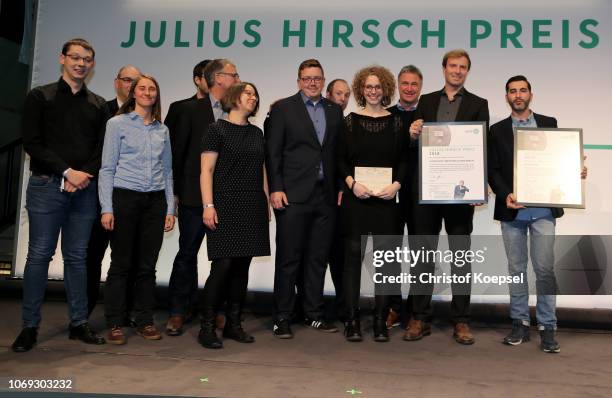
{"x":416,"y":330}
{"x":174,"y":327}
{"x":462,"y":334}
{"x":220,"y":321}
{"x":116,"y":336}
{"x":149,"y":332}
{"x":392,"y":319}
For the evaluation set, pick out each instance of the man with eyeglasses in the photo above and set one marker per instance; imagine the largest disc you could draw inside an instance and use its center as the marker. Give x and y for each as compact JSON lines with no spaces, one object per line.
{"x":186,"y":134}
{"x":300,"y":160}
{"x":100,"y":238}
{"x":63,"y":131}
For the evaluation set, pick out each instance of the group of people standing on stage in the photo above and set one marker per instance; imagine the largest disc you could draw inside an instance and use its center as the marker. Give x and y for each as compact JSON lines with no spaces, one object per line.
{"x":113,"y":172}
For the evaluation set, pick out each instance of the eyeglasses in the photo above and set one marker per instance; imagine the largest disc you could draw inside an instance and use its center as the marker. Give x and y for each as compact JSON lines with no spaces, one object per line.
{"x":234,"y":75}
{"x":250,"y":94}
{"x":309,"y":79}
{"x":77,"y":58}
{"x":372,"y":88}
{"x":126,"y":79}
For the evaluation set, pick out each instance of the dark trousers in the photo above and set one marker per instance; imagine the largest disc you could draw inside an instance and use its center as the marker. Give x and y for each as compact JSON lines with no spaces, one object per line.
{"x":183,"y":286}
{"x":354,"y":256}
{"x":228,"y":280}
{"x":304,"y":234}
{"x":336,"y":267}
{"x":98,"y":243}
{"x":427,"y":221}
{"x":137,"y":235}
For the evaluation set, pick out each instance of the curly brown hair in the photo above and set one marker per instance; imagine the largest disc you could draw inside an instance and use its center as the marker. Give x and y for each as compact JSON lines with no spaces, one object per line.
{"x":387,"y":81}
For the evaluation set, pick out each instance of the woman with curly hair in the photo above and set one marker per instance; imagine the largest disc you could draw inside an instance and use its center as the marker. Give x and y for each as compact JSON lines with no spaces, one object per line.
{"x":373,"y":137}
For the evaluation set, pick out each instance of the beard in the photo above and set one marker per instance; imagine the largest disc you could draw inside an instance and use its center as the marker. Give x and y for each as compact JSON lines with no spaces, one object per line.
{"x":520,"y":107}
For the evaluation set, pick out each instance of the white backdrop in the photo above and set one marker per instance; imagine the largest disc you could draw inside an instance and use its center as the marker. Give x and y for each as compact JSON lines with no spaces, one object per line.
{"x":562,"y":46}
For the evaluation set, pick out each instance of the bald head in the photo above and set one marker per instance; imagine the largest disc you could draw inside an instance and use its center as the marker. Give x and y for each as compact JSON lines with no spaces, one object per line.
{"x":126,"y":75}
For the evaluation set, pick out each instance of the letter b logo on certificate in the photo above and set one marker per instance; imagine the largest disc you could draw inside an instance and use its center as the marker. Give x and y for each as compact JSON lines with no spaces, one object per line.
{"x":452,"y":166}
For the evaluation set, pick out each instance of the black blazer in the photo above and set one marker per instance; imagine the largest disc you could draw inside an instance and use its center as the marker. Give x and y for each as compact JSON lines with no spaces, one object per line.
{"x":501,"y":164}
{"x":293,"y":151}
{"x":112,"y":107}
{"x":192,"y":120}
{"x":472,"y":108}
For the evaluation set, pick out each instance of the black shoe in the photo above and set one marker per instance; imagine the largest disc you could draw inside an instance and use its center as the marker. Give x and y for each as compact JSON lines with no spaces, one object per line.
{"x":548,"y":342}
{"x":208,"y":337}
{"x":379,"y":326}
{"x":352,"y":330}
{"x":519,"y":333}
{"x":233,"y":325}
{"x":26,"y":340}
{"x":85,"y":334}
{"x":321,"y":325}
{"x":282,"y":329}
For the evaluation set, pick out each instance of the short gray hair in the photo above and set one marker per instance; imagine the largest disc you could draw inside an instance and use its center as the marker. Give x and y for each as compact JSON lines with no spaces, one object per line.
{"x":410,"y":69}
{"x":215,"y":66}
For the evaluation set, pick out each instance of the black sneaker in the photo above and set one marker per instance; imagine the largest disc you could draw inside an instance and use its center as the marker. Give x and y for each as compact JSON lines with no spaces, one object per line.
{"x":26,"y":340}
{"x":85,"y":334}
{"x":282,"y":329}
{"x":519,"y":333}
{"x":548,"y":342}
{"x":321,"y":325}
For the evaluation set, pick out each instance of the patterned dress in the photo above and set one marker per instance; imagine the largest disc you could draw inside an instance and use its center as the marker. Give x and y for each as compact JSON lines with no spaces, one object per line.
{"x":238,"y":195}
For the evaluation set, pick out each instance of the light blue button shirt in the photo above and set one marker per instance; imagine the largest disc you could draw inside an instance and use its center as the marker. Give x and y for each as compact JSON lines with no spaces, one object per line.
{"x":316,"y":111}
{"x":530,"y":213}
{"x":217,"y":109}
{"x":135,"y":157}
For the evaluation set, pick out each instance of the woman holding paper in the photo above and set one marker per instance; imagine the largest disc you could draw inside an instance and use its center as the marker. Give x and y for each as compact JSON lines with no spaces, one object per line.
{"x":372,"y":159}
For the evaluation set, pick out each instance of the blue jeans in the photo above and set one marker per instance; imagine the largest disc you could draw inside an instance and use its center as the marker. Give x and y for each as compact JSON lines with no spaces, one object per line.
{"x":541,"y":240}
{"x":51,"y":211}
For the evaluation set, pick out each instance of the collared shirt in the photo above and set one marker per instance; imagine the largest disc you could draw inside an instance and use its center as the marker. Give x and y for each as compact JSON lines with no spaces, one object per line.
{"x":63,"y":130}
{"x":218,"y":111}
{"x":136,"y":157}
{"x":447,"y":110}
{"x":316,"y":111}
{"x":530,"y":213}
{"x":404,"y":109}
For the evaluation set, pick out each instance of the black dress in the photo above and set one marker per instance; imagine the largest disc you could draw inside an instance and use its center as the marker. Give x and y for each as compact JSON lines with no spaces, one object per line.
{"x":372,"y":142}
{"x":240,"y":202}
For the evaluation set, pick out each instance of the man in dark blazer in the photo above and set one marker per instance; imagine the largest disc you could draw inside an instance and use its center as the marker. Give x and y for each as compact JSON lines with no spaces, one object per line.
{"x":100,"y":238}
{"x":409,"y":84}
{"x":301,"y":137}
{"x":192,"y":120}
{"x":201,"y":91}
{"x":451,"y":104}
{"x":517,"y":221}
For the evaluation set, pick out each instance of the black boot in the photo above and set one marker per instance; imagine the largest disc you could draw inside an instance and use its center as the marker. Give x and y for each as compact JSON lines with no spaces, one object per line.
{"x":208,"y":336}
{"x":381,"y":333}
{"x":233,"y":325}
{"x":352,"y":326}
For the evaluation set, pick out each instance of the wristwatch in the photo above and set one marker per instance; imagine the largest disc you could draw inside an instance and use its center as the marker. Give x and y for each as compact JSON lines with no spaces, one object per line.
{"x":207,"y":205}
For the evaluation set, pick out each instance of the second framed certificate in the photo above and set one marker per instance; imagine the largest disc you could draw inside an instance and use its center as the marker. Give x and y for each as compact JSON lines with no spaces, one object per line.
{"x":453,"y":163}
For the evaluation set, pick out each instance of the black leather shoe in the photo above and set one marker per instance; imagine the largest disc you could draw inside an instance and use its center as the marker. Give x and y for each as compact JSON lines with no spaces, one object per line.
{"x":26,"y":340}
{"x":85,"y":334}
{"x":208,"y":337}
{"x":381,"y":333}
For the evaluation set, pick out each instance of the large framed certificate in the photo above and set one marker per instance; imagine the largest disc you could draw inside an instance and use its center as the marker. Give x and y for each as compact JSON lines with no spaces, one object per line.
{"x":453,"y":163}
{"x":547,"y":166}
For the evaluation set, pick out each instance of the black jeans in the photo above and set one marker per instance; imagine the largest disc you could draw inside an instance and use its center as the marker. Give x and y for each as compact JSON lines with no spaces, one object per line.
{"x":138,"y":235}
{"x":183,"y":286}
{"x":96,"y":249}
{"x":228,"y":279}
{"x":428,"y":223}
